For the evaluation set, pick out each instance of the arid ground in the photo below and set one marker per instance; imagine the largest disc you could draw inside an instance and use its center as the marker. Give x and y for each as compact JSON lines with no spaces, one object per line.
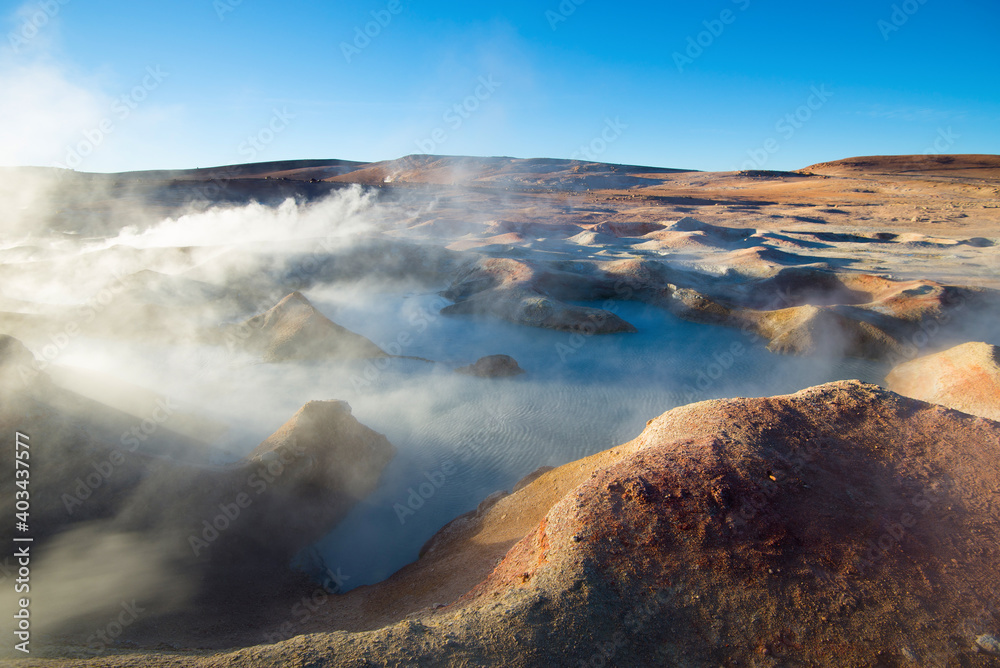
{"x":855,"y":522}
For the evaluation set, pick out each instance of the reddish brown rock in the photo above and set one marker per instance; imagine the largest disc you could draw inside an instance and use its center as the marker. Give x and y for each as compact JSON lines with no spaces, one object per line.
{"x":823,"y":528}
{"x":966,"y":378}
{"x":492,"y":366}
{"x":520,"y":292}
{"x":293,"y":330}
{"x":841,"y":525}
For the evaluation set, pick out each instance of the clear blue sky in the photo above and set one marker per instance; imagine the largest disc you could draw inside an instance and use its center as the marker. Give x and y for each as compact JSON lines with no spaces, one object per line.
{"x":560,"y":76}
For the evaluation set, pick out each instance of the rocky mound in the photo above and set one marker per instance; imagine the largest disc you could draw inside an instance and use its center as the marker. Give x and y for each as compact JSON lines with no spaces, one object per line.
{"x":836,"y":526}
{"x":798,"y":306}
{"x":626,"y":229}
{"x":966,"y":378}
{"x":950,"y":166}
{"x":294,"y":330}
{"x":209,"y":529}
{"x":294,"y":487}
{"x":842,"y":525}
{"x":16,"y":361}
{"x":526,"y":294}
{"x":819,"y":330}
{"x":719,"y":232}
{"x":492,"y":366}
{"x":339,"y":455}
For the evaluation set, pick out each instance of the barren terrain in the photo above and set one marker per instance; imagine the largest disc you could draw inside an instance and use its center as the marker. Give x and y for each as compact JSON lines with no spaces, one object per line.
{"x":842,"y":524}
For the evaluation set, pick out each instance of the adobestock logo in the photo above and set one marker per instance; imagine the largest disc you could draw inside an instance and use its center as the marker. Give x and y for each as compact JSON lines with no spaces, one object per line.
{"x":697,"y":44}
{"x":787,"y":126}
{"x":901,"y":13}
{"x":256,"y":143}
{"x":424,"y":491}
{"x":562,"y":13}
{"x":596,"y":147}
{"x":31,"y":25}
{"x":363,"y":36}
{"x":456,"y":115}
{"x":944,"y":141}
{"x":121,"y":108}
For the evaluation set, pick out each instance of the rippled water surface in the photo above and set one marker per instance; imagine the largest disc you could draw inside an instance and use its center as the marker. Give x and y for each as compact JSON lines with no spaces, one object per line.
{"x":579,"y":395}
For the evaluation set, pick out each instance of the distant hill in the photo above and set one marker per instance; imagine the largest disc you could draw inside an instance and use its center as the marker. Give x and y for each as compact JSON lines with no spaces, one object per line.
{"x":300,"y":170}
{"x":519,"y":173}
{"x":952,"y":166}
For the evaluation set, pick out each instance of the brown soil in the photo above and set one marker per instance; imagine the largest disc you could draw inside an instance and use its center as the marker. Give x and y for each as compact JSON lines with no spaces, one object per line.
{"x":842,"y":525}
{"x":294,"y":329}
{"x":966,"y":378}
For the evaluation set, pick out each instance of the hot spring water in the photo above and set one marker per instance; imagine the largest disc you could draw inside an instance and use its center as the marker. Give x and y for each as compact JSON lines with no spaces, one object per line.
{"x":461,"y":438}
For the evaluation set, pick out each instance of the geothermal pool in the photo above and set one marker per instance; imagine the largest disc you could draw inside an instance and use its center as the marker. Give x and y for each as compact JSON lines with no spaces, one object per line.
{"x":580,"y":395}
{"x":461,"y":438}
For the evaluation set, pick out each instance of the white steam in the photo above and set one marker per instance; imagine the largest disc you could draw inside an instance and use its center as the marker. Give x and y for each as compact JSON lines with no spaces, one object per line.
{"x":341,"y":215}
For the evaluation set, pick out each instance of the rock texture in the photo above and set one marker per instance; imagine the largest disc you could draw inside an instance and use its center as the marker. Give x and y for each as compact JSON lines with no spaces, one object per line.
{"x":966,"y":378}
{"x":218,"y":527}
{"x":528,"y":294}
{"x":492,"y":366}
{"x":841,"y":525}
{"x":797,"y":309}
{"x":294,"y":330}
{"x":16,"y":362}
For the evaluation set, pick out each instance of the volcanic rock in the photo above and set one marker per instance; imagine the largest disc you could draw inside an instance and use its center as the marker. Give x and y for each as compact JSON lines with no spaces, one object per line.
{"x":799,"y":309}
{"x":966,"y":378}
{"x":812,"y":330}
{"x":89,"y":478}
{"x":689,"y":224}
{"x":295,"y":486}
{"x":827,"y":527}
{"x":15,"y":358}
{"x":294,"y":330}
{"x":337,"y":455}
{"x":493,"y":366}
{"x":525,"y":294}
{"x":626,"y":229}
{"x":794,"y":527}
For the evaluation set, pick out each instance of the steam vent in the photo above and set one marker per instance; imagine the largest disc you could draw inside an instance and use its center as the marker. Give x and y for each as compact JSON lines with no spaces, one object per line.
{"x":491,"y":411}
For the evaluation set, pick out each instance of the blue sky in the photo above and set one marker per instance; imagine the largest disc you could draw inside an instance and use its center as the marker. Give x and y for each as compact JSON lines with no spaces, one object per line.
{"x":726,"y":84}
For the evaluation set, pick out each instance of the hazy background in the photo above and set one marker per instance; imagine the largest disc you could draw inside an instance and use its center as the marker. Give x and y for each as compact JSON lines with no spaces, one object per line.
{"x":248,"y":81}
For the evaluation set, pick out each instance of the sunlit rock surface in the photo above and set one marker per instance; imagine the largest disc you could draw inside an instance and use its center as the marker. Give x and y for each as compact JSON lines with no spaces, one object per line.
{"x":966,"y":378}
{"x":730,"y":531}
{"x":294,"y":330}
